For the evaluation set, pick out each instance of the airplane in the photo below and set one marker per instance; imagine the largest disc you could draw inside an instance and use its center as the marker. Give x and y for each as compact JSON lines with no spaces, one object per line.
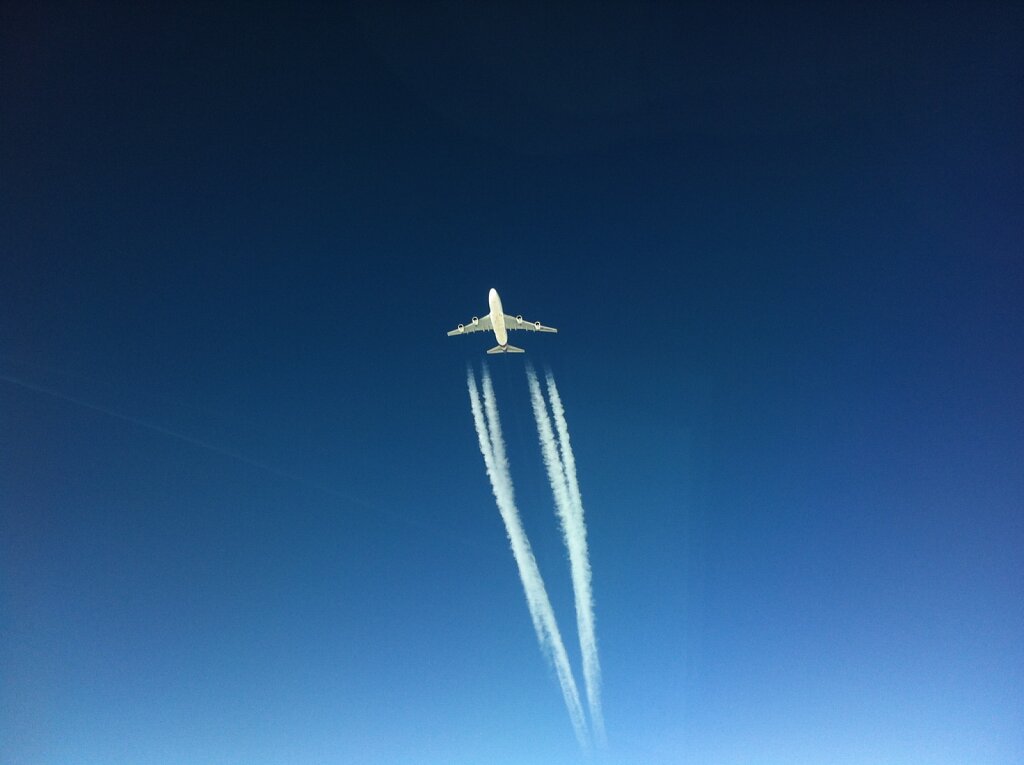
{"x":500,"y":322}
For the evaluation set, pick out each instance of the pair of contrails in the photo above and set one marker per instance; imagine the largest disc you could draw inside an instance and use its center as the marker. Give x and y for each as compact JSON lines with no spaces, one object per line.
{"x":561,"y":469}
{"x":500,"y":322}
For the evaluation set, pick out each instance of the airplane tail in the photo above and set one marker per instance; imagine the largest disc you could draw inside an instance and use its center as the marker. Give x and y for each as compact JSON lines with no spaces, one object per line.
{"x":506,"y":349}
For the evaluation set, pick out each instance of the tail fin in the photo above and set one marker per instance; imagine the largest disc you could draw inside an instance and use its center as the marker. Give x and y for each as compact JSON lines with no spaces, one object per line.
{"x":506,"y":349}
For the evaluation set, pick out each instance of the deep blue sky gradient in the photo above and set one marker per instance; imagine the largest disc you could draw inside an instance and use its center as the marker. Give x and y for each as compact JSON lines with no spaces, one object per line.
{"x":243,"y":514}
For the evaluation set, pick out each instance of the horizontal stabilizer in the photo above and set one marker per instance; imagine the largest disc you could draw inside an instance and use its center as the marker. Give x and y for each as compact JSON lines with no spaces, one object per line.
{"x":506,"y":349}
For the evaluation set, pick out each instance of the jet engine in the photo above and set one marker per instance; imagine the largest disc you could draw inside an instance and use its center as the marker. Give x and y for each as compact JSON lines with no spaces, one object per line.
{"x":476,"y":320}
{"x":536,"y":324}
{"x":519,"y":319}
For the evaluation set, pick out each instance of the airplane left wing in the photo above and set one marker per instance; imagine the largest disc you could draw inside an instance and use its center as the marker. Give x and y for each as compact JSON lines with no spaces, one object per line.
{"x":518,"y":322}
{"x":482,"y":324}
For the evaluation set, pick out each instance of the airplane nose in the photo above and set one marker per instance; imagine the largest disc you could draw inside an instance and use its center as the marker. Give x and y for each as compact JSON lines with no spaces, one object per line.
{"x":493,"y":293}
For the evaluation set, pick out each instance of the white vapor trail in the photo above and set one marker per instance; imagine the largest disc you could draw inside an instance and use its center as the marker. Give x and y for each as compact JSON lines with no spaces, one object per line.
{"x":492,"y":445}
{"x":569,"y":506}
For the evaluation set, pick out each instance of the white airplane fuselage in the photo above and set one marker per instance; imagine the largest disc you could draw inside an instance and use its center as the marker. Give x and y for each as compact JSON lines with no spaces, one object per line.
{"x":500,"y":323}
{"x":497,"y":317}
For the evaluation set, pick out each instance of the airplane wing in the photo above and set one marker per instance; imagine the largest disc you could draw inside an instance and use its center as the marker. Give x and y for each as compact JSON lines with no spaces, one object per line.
{"x":518,"y":322}
{"x":483,"y":324}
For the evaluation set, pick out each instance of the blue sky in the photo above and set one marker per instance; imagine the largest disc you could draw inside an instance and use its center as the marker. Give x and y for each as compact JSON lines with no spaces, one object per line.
{"x":243,"y":512}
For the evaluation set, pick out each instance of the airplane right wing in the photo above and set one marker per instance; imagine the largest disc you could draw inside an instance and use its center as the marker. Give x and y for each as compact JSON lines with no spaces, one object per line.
{"x":482,"y":324}
{"x":518,"y":322}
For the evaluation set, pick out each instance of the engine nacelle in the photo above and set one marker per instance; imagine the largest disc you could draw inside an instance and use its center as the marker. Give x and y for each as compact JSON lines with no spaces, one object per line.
{"x":461,"y":328}
{"x":536,"y":324}
{"x":476,"y":320}
{"x":519,"y":319}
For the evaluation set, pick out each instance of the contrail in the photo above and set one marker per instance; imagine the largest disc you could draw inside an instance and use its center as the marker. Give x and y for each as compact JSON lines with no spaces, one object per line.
{"x":569,"y":506}
{"x":492,"y":445}
{"x":152,"y":427}
{"x":228,"y":453}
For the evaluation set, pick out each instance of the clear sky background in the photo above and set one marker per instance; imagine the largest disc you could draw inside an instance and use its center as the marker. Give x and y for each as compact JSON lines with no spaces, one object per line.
{"x":243,"y":513}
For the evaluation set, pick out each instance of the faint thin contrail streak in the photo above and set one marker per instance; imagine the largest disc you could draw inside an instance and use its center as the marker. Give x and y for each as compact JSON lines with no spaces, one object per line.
{"x":492,"y":446}
{"x":569,"y":505}
{"x":154,"y":428}
{"x":227,"y":453}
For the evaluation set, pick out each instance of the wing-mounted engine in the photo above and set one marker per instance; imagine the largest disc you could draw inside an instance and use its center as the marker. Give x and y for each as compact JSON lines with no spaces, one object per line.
{"x":519,"y":319}
{"x":476,"y":320}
